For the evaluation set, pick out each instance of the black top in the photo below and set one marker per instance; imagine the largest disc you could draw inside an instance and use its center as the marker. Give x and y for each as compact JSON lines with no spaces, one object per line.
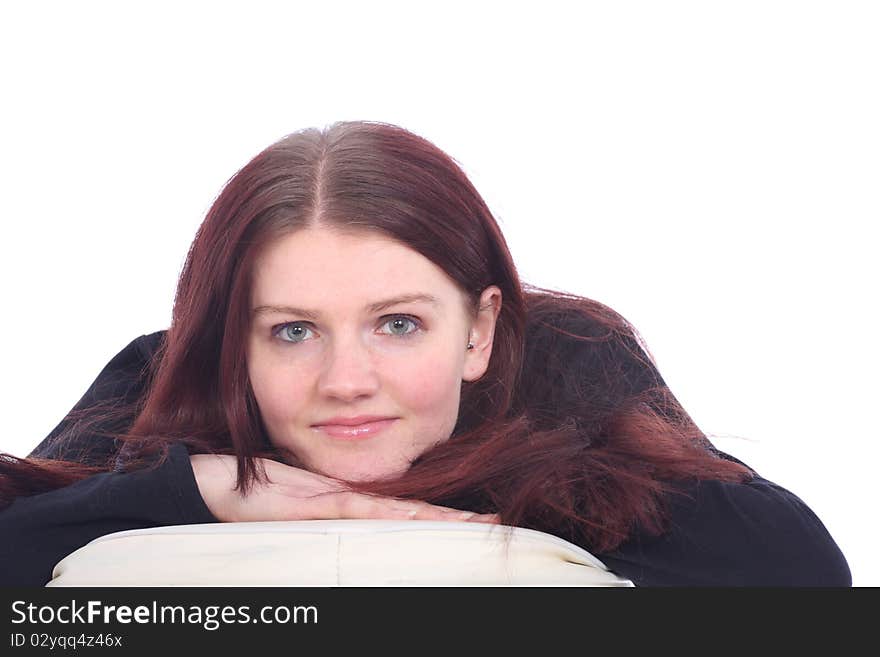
{"x":749,"y":534}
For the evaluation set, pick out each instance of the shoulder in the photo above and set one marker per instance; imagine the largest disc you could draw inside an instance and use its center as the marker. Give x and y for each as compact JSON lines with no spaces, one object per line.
{"x":118,"y":386}
{"x":125,"y":375}
{"x":148,"y":343}
{"x":581,"y":350}
{"x":140,"y":350}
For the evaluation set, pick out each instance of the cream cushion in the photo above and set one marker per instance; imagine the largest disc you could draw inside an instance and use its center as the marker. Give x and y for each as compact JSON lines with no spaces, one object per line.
{"x":332,"y":553}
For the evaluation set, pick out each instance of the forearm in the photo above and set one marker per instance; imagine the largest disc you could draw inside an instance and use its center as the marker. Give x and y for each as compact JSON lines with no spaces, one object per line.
{"x":40,"y":530}
{"x":753,"y":534}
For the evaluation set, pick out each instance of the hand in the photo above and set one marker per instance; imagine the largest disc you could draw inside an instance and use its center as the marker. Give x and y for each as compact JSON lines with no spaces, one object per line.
{"x":295,"y":494}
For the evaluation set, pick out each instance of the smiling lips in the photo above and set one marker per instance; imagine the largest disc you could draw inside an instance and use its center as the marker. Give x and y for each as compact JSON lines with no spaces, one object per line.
{"x":354,"y":428}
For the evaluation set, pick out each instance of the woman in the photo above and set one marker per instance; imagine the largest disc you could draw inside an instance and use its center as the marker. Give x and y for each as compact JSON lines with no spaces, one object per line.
{"x":350,"y":339}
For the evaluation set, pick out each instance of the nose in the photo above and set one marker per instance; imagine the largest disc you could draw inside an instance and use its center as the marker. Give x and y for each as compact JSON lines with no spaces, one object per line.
{"x":348,"y":371}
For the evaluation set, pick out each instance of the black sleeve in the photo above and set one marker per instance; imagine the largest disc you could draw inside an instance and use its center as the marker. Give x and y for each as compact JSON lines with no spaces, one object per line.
{"x":40,"y":530}
{"x":728,"y":534}
{"x":118,"y":387}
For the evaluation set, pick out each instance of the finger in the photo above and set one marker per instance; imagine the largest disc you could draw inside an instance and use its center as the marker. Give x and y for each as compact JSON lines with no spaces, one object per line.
{"x":418,"y":511}
{"x":489,"y":518}
{"x":465,"y":516}
{"x":357,"y":505}
{"x":425,"y":511}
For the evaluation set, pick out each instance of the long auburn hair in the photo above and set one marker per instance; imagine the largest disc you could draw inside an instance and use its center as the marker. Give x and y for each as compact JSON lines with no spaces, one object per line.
{"x":571,"y":430}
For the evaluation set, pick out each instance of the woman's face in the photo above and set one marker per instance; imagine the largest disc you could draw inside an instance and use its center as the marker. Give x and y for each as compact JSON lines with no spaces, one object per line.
{"x":345,"y":326}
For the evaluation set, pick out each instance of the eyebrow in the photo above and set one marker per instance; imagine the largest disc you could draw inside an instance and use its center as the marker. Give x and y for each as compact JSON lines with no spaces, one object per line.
{"x":376,"y":307}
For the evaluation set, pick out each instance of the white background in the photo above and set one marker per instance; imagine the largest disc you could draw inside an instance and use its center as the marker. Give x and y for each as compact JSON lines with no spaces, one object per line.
{"x":708,"y":169}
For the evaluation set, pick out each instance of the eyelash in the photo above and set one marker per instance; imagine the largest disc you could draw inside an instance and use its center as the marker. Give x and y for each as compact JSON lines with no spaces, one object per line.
{"x":277,"y":330}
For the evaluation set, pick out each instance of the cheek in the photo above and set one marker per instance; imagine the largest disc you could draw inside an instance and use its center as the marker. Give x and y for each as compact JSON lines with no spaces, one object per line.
{"x":277,"y":391}
{"x":430,"y":385}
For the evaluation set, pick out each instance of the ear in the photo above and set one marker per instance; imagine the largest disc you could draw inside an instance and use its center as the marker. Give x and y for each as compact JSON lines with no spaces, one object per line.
{"x":482,"y":334}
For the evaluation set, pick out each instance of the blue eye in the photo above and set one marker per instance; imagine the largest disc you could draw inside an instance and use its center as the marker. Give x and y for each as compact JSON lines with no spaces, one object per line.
{"x":400,"y":322}
{"x":292,"y":332}
{"x":401,"y":326}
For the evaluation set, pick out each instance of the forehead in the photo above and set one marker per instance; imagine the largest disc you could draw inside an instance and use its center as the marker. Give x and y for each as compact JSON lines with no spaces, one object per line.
{"x":319,"y":267}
